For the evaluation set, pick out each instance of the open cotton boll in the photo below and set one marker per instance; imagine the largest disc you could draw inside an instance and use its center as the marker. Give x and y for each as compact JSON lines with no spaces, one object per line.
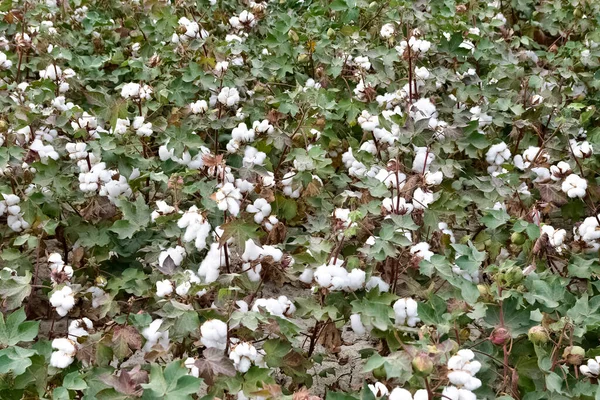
{"x":197,"y":228}
{"x":190,"y":363}
{"x":281,"y":306}
{"x":164,"y":288}
{"x":357,"y":325}
{"x":542,"y":174}
{"x":63,"y":300}
{"x":462,"y":370}
{"x":422,"y":198}
{"x":336,"y":278}
{"x":210,"y":267}
{"x":574,"y":186}
{"x":307,"y":276}
{"x":376,"y":281}
{"x":423,"y":158}
{"x":253,"y":157}
{"x":261,"y":209}
{"x":228,"y":198}
{"x":176,"y":254}
{"x":199,"y":107}
{"x":421,"y":250}
{"x":378,"y":389}
{"x":214,"y":334}
{"x":162,"y":208}
{"x":556,"y":237}
{"x":560,"y":170}
{"x":367,"y":121}
{"x":423,"y":109}
{"x":581,"y":149}
{"x":498,"y":154}
{"x":403,"y":394}
{"x":80,"y":328}
{"x":263,"y":126}
{"x":454,"y":393}
{"x":243,"y":355}
{"x":153,"y":336}
{"x":228,"y":96}
{"x":44,"y":151}
{"x":141,"y":127}
{"x":433,"y":178}
{"x":64,"y":354}
{"x":406,"y":312}
{"x":242,"y":134}
{"x":591,"y":368}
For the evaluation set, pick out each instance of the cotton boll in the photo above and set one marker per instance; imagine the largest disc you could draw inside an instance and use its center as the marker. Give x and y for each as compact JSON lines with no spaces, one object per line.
{"x":210,"y":267}
{"x":400,"y":394}
{"x":581,"y":149}
{"x":498,"y":154}
{"x":422,"y":198}
{"x":281,"y":306}
{"x":63,"y":300}
{"x":421,"y":250}
{"x":253,"y":157}
{"x":434,"y":178}
{"x":307,"y":276}
{"x":423,"y":109}
{"x":543,"y":174}
{"x":228,"y":198}
{"x":243,"y":355}
{"x":176,"y":254}
{"x":199,"y":107}
{"x":197,"y":228}
{"x":64,"y":354}
{"x":164,"y":288}
{"x":560,"y":170}
{"x":142,"y":128}
{"x":387,"y":31}
{"x":378,"y":389}
{"x":367,"y":121}
{"x":406,"y":312}
{"x":376,"y":281}
{"x":574,"y":186}
{"x":228,"y":96}
{"x":423,"y":158}
{"x":80,"y":327}
{"x":214,"y":334}
{"x":357,"y":325}
{"x":153,"y":336}
{"x":591,"y":368}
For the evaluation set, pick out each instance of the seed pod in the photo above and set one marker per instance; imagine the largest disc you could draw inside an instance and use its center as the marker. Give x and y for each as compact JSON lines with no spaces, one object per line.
{"x":538,"y":335}
{"x":500,"y":336}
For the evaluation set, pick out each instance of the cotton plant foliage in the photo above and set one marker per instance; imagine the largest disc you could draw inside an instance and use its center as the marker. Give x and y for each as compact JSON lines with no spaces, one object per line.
{"x":299,"y":199}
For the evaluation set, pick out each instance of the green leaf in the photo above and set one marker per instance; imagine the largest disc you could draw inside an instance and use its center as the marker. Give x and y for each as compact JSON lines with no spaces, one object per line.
{"x":495,"y":218}
{"x":14,"y":288}
{"x":172,"y":383}
{"x":15,"y":329}
{"x":73,"y":381}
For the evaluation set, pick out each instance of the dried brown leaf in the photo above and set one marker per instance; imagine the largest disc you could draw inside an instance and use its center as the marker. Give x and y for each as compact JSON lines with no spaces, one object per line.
{"x":212,"y":363}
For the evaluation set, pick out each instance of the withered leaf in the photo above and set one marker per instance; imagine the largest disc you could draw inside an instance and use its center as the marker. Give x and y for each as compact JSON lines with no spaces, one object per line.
{"x":167,"y":267}
{"x":331,"y":338}
{"x":125,"y":340}
{"x":213,"y":362}
{"x":128,"y":382}
{"x":269,"y":391}
{"x":551,"y":194}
